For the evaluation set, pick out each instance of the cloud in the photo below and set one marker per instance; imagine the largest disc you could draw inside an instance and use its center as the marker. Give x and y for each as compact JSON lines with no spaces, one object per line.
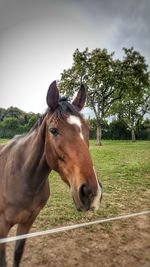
{"x":126,"y":23}
{"x":38,"y":39}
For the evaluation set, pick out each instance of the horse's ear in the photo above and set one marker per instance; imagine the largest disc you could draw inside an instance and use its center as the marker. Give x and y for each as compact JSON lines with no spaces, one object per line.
{"x":79,"y":101}
{"x":52,"y":96}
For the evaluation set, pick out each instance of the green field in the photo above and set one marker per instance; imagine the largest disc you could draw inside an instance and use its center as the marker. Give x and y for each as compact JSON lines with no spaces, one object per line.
{"x":124,"y":170}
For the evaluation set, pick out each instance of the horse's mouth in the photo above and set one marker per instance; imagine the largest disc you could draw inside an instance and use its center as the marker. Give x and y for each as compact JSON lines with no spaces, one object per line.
{"x":80,"y":207}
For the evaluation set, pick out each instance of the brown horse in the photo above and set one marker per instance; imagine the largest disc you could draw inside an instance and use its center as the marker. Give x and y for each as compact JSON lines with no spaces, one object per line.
{"x":58,"y":141}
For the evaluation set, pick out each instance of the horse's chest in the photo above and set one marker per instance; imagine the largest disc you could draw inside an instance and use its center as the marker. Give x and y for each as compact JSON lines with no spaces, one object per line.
{"x":15,"y":214}
{"x":24,"y":209}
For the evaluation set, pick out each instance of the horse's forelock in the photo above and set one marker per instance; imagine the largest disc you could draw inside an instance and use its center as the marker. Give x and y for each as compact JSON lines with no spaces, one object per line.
{"x":64,"y":109}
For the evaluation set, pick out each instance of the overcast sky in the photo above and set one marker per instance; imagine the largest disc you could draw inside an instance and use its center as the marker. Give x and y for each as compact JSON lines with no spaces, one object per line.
{"x":38,"y":38}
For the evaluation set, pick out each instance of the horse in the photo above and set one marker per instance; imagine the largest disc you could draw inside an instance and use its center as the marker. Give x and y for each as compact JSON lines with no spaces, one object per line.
{"x":58,"y":141}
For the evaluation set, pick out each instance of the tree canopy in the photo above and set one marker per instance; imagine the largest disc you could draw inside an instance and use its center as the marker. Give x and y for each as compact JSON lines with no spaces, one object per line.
{"x":136,"y":100}
{"x":108,"y":81}
{"x":15,"y":121}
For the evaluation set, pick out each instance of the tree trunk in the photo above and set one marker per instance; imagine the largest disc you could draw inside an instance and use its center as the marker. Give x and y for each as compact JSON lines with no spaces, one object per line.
{"x":133,"y":135}
{"x":99,"y":134}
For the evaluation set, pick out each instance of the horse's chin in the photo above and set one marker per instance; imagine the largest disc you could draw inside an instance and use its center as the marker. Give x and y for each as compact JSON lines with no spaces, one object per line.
{"x":78,"y":204}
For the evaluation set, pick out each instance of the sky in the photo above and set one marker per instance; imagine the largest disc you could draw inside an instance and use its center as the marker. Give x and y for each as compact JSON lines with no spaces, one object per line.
{"x":39,"y":37}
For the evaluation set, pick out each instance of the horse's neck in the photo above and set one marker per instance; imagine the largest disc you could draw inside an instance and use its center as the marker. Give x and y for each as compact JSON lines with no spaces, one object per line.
{"x":35,"y":168}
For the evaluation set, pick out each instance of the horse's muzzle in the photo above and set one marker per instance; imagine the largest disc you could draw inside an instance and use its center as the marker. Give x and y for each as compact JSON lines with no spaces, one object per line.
{"x":88,"y":199}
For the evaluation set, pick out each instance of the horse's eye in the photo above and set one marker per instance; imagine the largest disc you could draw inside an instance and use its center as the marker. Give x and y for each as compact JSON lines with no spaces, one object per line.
{"x":54,"y":131}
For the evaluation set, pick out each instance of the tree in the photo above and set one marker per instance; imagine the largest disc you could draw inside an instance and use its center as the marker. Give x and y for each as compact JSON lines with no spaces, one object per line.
{"x":2,"y":113}
{"x":136,"y":101}
{"x":32,"y":121}
{"x":118,"y":130}
{"x":143,"y":131}
{"x":10,"y":123}
{"x":14,"y":121}
{"x":8,"y":127}
{"x":132,"y":111}
{"x":103,"y":78}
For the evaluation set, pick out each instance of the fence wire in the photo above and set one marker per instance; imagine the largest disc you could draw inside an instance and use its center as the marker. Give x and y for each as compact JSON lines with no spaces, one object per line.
{"x":71,"y":227}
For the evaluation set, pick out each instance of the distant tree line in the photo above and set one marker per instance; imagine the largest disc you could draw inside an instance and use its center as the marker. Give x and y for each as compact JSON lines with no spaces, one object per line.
{"x":119,"y":87}
{"x":117,"y":130}
{"x":15,"y":121}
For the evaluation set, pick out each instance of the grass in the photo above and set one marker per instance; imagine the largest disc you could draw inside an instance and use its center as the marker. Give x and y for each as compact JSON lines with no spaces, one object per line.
{"x":3,"y":141}
{"x":124,"y":170}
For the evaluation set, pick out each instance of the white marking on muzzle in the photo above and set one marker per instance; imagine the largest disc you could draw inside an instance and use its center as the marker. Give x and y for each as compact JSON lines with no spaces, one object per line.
{"x":75,"y":120}
{"x":96,"y":202}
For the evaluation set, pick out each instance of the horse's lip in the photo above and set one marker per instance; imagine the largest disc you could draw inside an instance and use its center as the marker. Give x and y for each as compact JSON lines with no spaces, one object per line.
{"x":82,"y":208}
{"x":78,"y":204}
{"x":85,"y":208}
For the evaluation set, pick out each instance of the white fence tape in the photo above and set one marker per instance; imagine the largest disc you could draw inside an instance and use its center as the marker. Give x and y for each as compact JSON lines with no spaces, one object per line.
{"x":71,"y":227}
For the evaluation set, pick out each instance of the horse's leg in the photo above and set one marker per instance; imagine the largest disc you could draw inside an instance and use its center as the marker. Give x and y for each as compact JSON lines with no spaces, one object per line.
{"x":23,"y":228}
{"x":4,"y":229}
{"x":2,"y":255}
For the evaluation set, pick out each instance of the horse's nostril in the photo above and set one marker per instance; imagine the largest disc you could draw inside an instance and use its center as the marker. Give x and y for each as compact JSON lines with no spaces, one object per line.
{"x":85,"y":194}
{"x":83,"y":191}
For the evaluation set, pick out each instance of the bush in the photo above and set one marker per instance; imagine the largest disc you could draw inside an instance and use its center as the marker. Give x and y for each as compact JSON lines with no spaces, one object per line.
{"x":116,"y":130}
{"x":14,"y":121}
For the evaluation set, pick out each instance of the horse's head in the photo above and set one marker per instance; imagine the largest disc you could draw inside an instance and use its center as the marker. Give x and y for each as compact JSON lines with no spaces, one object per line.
{"x":66,"y":148}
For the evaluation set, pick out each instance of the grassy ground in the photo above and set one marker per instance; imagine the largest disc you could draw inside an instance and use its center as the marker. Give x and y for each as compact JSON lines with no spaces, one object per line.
{"x":124,"y":170}
{"x":3,"y":141}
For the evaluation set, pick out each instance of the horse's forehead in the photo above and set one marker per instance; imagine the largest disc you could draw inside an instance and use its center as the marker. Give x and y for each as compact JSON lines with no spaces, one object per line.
{"x":72,"y":119}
